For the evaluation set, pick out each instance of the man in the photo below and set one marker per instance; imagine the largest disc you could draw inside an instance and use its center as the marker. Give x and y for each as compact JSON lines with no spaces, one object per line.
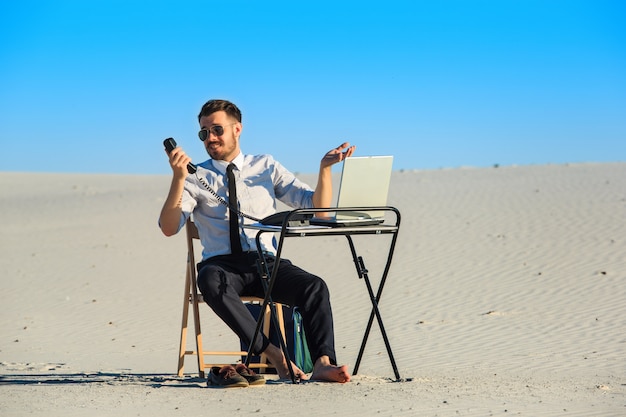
{"x":228,"y":269}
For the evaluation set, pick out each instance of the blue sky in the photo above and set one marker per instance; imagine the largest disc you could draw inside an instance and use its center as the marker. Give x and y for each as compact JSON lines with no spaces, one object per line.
{"x":95,"y":86}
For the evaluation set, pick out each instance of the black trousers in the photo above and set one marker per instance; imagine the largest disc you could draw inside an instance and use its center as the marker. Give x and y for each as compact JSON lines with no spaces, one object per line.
{"x":223,"y":279}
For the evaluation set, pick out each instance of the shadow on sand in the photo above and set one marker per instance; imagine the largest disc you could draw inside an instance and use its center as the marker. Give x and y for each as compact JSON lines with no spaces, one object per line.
{"x":111,"y":378}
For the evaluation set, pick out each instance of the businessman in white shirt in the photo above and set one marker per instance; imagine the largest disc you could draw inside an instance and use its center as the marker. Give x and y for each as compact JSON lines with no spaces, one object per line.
{"x":228,"y":269}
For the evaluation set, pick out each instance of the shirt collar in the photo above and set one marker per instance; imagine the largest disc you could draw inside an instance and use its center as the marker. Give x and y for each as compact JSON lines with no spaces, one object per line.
{"x":221,"y":165}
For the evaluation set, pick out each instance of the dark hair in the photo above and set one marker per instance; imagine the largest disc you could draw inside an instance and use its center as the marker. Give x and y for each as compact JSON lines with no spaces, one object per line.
{"x":212,"y":106}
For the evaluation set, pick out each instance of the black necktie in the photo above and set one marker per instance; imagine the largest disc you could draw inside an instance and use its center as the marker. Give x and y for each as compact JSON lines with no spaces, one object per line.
{"x":235,"y":243}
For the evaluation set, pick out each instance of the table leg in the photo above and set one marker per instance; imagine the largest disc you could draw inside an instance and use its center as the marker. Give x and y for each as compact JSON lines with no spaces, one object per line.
{"x":363,"y":273}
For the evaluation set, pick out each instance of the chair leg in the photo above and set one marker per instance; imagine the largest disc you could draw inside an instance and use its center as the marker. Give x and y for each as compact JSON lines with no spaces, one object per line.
{"x":183,"y":329}
{"x":267,"y":321}
{"x":196,"y":320}
{"x":281,"y":321}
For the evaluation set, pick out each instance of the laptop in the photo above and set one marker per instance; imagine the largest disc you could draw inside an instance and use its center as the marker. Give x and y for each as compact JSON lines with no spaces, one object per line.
{"x":364,"y":183}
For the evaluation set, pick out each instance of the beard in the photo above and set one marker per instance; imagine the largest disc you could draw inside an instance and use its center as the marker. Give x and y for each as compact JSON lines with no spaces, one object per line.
{"x":224,"y":148}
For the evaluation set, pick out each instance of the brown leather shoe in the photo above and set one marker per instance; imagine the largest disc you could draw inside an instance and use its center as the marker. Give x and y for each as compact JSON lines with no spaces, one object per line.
{"x":225,"y":377}
{"x":249,"y":375}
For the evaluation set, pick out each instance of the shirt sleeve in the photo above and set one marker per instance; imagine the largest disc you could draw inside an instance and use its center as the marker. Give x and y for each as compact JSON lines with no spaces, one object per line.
{"x":289,"y":189}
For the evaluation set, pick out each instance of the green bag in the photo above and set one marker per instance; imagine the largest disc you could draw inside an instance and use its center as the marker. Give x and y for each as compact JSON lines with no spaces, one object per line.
{"x":302,"y":356}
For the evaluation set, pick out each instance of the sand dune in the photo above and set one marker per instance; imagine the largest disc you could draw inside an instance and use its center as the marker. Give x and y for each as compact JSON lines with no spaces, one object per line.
{"x":506,"y":297}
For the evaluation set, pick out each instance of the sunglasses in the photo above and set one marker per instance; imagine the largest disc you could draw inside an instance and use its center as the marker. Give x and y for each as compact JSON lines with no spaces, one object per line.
{"x":217,"y":130}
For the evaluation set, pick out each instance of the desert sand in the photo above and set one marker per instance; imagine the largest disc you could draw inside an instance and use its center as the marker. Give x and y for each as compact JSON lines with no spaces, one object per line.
{"x":507,"y":296}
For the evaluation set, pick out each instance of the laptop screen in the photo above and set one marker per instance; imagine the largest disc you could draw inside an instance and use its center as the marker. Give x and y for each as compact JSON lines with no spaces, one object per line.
{"x":364,"y":183}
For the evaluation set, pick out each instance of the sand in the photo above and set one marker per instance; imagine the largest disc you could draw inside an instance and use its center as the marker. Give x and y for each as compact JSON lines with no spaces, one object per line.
{"x":506,"y":297}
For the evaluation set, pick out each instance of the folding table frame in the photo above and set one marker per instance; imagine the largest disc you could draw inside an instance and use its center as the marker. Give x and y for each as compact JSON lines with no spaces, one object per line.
{"x":268,"y":277}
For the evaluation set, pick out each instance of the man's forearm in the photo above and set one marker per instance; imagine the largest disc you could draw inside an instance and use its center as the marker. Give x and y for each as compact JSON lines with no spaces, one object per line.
{"x":172,"y":208}
{"x":323,"y":194}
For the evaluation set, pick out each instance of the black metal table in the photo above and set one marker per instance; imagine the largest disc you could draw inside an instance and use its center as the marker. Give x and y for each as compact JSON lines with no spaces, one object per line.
{"x":268,"y":277}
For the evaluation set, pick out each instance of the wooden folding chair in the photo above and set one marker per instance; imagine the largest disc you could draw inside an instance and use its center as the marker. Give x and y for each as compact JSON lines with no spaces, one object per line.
{"x":193,"y":298}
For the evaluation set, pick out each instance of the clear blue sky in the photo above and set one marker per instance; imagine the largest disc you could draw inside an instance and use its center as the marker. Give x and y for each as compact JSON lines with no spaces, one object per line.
{"x":95,"y":86}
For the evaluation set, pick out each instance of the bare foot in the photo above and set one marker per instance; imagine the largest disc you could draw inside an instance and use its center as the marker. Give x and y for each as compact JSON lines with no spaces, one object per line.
{"x":283,"y":372}
{"x":276,"y":357}
{"x":331,"y":373}
{"x":324,"y":371}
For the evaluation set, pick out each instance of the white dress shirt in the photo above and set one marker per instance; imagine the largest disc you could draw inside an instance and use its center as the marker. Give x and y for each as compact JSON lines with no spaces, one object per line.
{"x":260,"y":181}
